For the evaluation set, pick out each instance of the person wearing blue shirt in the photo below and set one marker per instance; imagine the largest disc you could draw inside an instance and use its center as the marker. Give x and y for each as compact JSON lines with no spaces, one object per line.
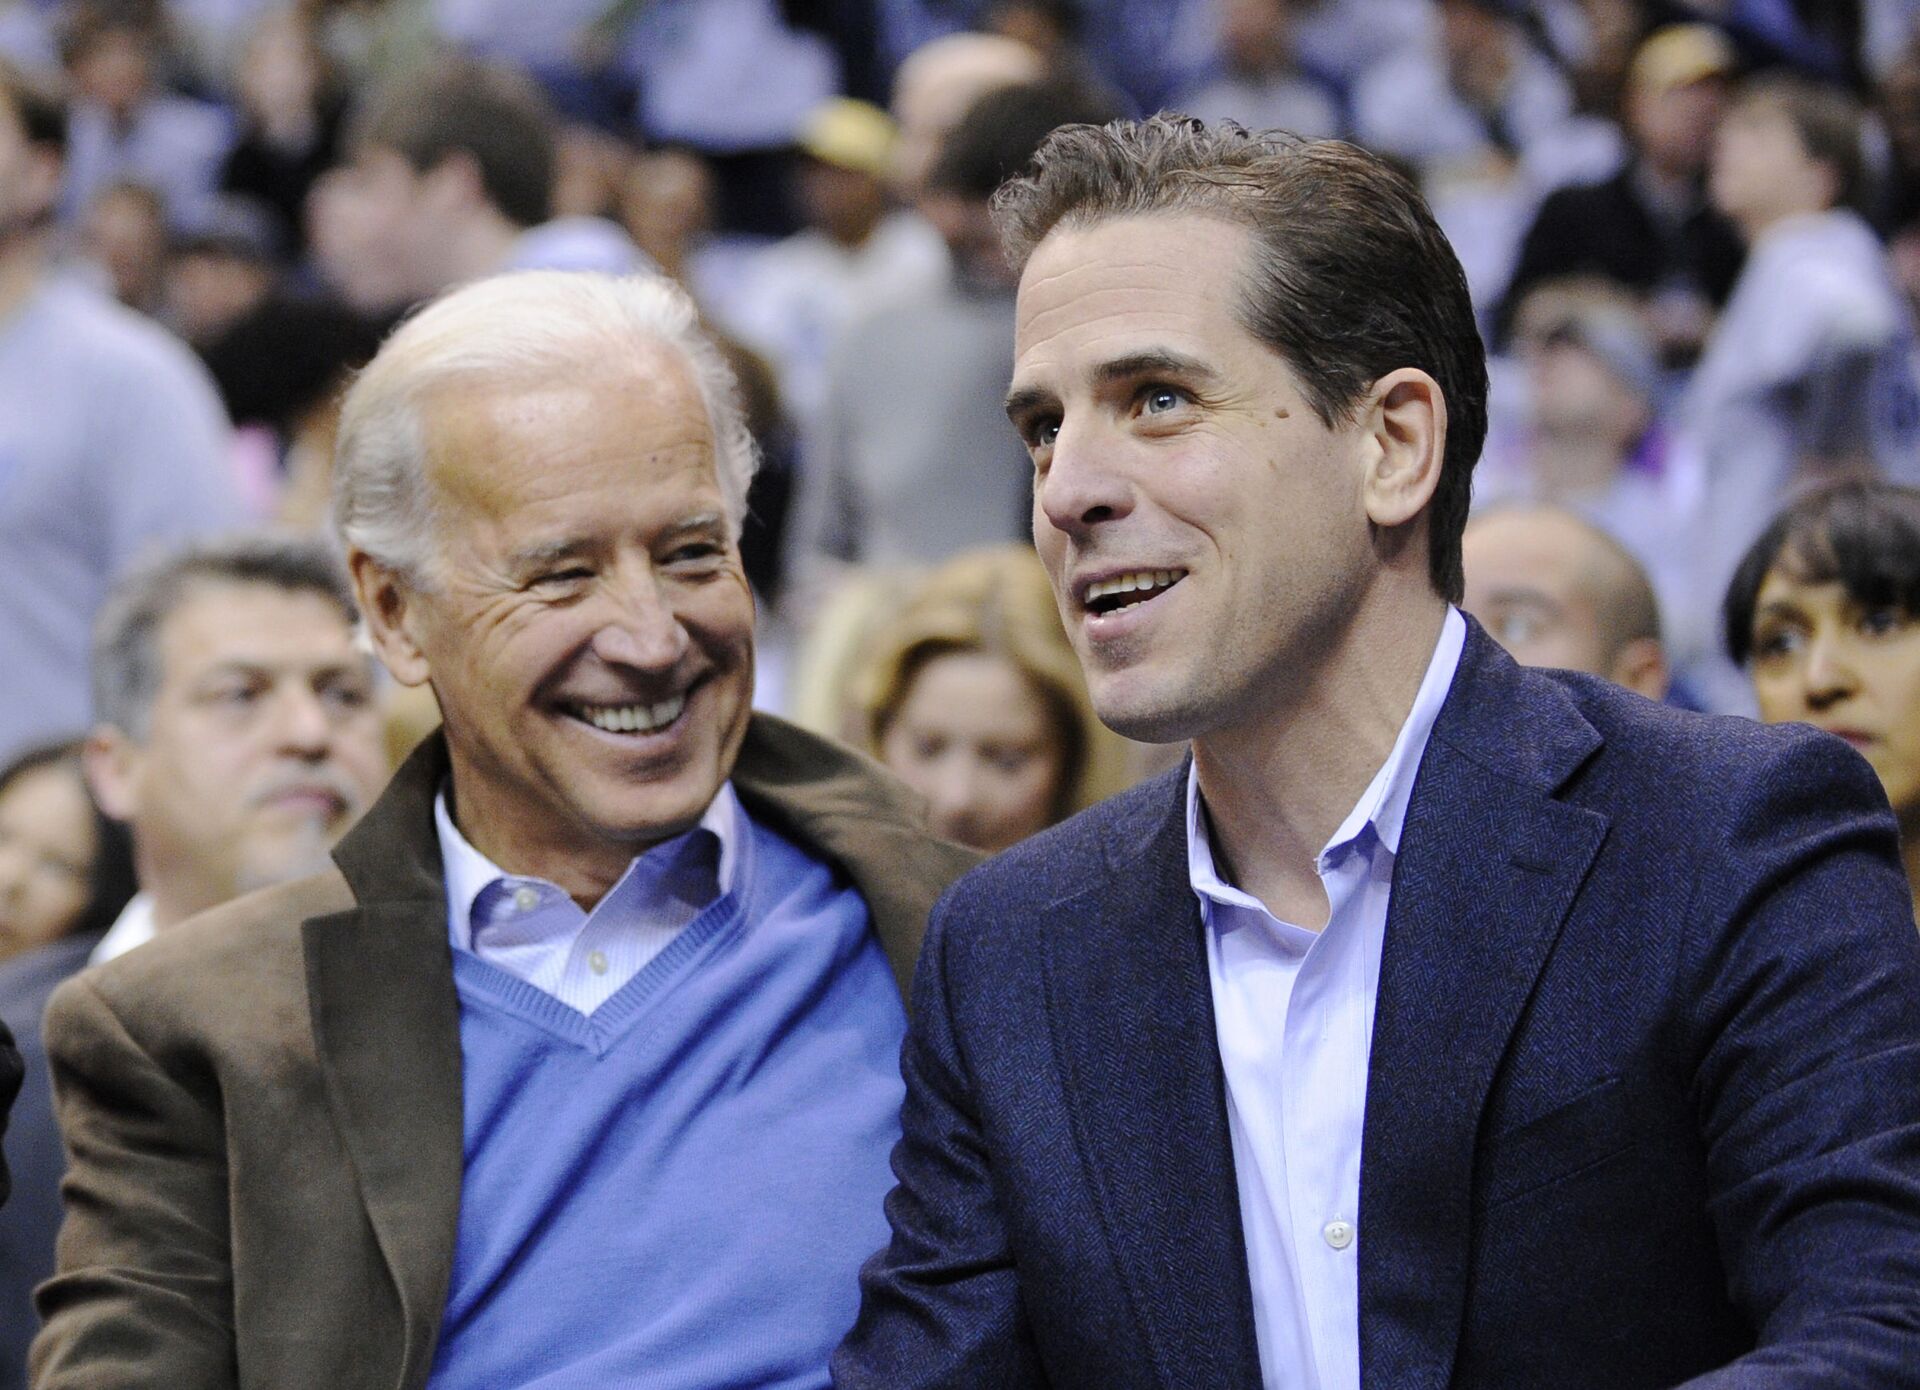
{"x":582,"y":1066}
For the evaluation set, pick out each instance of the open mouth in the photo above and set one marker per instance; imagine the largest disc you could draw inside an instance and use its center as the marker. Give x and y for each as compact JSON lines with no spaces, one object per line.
{"x":1129,"y":590}
{"x":635,"y":718}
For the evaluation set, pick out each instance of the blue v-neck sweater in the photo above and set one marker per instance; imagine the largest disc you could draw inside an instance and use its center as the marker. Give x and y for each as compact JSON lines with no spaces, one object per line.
{"x":678,"y":1190}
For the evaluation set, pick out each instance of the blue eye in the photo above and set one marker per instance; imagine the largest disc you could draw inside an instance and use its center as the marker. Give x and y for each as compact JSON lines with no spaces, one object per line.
{"x":1158,"y":400}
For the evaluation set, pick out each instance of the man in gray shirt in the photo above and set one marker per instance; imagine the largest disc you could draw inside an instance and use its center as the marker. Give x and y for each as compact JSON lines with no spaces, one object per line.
{"x":111,"y":438}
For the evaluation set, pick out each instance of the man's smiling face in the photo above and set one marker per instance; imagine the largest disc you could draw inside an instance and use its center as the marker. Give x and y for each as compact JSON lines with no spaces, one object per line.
{"x":586,"y":623}
{"x":1205,"y":532}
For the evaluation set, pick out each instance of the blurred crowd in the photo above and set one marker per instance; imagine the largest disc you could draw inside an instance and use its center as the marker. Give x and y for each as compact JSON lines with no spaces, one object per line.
{"x":1691,"y":230}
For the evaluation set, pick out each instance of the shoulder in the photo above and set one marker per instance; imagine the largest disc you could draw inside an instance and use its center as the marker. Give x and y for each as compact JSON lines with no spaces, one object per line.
{"x":104,"y":337}
{"x":1124,"y":834}
{"x":830,"y":797}
{"x":1707,"y":778}
{"x":233,"y":969}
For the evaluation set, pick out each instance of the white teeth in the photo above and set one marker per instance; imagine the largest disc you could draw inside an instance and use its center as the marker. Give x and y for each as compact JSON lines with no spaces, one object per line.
{"x":630,"y":719}
{"x":1128,"y":583}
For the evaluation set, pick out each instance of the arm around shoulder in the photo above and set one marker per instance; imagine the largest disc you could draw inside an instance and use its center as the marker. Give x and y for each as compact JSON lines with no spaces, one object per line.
{"x":1804,"y":967}
{"x":144,"y":1291}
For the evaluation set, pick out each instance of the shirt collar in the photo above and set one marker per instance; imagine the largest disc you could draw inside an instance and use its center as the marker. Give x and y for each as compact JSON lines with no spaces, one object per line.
{"x":133,"y":927}
{"x":1383,"y":805}
{"x":469,"y":873}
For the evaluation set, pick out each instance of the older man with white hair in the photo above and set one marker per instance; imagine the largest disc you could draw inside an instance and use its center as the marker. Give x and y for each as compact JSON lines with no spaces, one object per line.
{"x":580,"y":1069}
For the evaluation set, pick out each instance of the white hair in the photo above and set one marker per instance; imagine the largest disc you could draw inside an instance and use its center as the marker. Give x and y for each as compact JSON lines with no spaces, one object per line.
{"x":523,"y":327}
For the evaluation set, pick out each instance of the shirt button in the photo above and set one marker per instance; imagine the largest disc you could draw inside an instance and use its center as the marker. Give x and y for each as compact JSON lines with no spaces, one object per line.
{"x":597,"y":962}
{"x":525,"y":898}
{"x":1339,"y":1234}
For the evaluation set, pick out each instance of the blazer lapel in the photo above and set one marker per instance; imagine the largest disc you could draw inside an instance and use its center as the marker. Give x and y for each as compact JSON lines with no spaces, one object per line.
{"x":386,"y":1021}
{"x":1131,"y":1009}
{"x":1489,"y":864}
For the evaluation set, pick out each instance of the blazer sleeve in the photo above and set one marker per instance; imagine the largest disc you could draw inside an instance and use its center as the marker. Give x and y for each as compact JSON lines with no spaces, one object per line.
{"x":1805,"y":969}
{"x":11,"y":1074}
{"x":940,"y":1305}
{"x":143,"y":1295}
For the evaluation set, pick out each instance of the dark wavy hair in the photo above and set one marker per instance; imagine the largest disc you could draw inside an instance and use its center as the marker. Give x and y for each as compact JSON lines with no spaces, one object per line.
{"x":1864,"y":535}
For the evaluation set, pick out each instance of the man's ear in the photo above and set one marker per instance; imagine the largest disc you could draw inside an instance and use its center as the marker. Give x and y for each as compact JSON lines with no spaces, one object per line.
{"x":1406,"y":415}
{"x":1641,"y":665}
{"x":111,"y":761}
{"x":391,"y":610}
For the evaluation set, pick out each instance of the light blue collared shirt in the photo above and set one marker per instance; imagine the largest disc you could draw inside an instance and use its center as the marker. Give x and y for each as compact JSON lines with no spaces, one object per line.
{"x":1293,"y":1011}
{"x":531,"y":928}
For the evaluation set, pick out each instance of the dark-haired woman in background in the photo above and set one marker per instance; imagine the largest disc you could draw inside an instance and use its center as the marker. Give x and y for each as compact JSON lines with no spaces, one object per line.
{"x":1824,"y":614}
{"x":65,"y":873}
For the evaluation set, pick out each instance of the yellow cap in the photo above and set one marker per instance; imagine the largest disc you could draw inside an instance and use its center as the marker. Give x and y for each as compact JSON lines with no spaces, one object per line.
{"x":851,"y":134}
{"x":1679,"y":55}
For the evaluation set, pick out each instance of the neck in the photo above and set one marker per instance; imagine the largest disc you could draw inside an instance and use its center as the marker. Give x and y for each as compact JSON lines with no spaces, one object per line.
{"x":1755,"y":225}
{"x":23,"y":261}
{"x":174,"y":901}
{"x":481,"y":246}
{"x":1279,"y":785}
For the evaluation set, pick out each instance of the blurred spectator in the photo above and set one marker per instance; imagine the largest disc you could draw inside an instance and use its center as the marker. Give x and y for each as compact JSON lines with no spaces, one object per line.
{"x":111,"y":438}
{"x":589,"y":166}
{"x":1650,"y":227}
{"x":123,"y":234}
{"x":733,"y":80}
{"x":291,"y":115}
{"x":124,"y":125}
{"x":281,"y":368}
{"x":973,"y":695}
{"x":1824,"y":614}
{"x":912,"y":460}
{"x":1592,"y":440}
{"x":666,"y":204}
{"x":1259,"y":80}
{"x":1343,"y":38}
{"x":1556,"y":590}
{"x":220,"y":270}
{"x":65,"y":869}
{"x":65,"y":873}
{"x":236,"y":732}
{"x":856,"y":255}
{"x":1482,"y":87}
{"x":451,"y":179}
{"x":938,"y":84}
{"x":1810,"y":370}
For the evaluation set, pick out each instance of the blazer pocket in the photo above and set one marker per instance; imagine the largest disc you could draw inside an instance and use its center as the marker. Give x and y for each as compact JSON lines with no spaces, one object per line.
{"x":1585,"y":1132}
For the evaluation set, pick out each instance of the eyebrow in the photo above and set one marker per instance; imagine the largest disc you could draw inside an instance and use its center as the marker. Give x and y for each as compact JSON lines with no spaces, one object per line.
{"x":1148,"y":362}
{"x":545,"y":553}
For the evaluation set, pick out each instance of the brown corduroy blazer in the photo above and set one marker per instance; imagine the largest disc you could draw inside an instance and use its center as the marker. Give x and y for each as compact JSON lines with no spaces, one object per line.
{"x":262,"y":1107}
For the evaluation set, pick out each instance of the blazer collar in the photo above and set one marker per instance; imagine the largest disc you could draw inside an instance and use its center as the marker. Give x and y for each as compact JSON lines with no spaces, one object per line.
{"x":1131,"y":1013}
{"x":1490,"y":863}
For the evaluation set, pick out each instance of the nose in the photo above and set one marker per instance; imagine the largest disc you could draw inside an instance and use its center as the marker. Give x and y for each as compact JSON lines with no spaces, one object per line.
{"x":953,"y":791}
{"x":302,"y":724}
{"x":1830,"y":676}
{"x":640,"y":628}
{"x":1080,"y":487}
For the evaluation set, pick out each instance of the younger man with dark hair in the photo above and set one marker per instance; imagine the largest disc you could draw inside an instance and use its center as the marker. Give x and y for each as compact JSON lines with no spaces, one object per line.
{"x":1442,"y":1023}
{"x":451,"y":179}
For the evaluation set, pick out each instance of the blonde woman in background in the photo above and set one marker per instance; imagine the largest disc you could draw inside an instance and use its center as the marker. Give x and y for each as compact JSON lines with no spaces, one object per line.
{"x":972,"y":695}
